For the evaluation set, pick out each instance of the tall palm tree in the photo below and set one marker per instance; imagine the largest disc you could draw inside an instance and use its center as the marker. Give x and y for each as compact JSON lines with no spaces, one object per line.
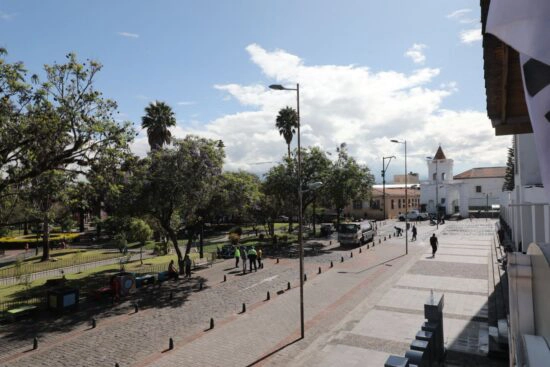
{"x":287,"y":123}
{"x":158,"y":118}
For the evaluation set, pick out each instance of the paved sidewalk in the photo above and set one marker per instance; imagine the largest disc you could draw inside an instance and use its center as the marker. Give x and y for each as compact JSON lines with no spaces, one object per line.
{"x":385,"y":323}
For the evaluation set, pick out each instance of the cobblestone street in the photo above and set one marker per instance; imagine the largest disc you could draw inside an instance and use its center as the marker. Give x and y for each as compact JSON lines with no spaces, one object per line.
{"x":141,"y":339}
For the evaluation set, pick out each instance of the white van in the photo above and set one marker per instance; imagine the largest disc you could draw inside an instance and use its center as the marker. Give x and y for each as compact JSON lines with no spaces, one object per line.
{"x":356,"y":233}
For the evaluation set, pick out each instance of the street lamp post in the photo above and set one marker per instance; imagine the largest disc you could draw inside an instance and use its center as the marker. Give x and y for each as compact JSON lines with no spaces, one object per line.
{"x":300,"y":240}
{"x":384,"y":168}
{"x":436,"y":192}
{"x":404,"y":142}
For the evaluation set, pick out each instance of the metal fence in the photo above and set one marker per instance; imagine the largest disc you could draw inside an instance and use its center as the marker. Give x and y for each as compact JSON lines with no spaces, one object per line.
{"x":22,"y":269}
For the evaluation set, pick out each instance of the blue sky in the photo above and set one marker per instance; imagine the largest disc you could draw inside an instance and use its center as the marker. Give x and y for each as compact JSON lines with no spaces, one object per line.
{"x":210,"y":59}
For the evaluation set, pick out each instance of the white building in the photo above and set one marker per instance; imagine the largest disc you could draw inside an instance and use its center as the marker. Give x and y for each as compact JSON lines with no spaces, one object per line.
{"x":477,"y":189}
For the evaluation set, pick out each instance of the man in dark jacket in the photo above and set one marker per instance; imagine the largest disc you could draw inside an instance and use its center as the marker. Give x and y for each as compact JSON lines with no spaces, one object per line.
{"x":433,"y":243}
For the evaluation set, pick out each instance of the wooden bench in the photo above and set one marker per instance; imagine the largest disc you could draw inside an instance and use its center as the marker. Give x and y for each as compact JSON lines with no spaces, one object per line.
{"x":144,"y":280}
{"x":203,"y":261}
{"x":22,"y":311}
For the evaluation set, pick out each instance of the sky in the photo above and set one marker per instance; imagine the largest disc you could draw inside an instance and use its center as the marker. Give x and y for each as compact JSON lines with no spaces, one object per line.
{"x":369,"y":71}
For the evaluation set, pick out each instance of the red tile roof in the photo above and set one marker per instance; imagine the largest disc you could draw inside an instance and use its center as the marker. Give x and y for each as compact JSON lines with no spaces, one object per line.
{"x":395,"y":192}
{"x":482,"y":172}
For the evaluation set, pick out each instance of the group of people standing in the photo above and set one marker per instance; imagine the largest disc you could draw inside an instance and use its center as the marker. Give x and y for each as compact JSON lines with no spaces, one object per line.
{"x":254,"y":257}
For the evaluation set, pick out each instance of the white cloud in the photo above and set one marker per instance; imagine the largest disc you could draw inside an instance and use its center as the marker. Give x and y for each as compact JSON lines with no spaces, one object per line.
{"x":416,"y":53}
{"x":186,"y":103}
{"x":352,"y":104}
{"x":467,"y":36}
{"x":459,"y":14}
{"x":128,"y":34}
{"x":471,"y":35}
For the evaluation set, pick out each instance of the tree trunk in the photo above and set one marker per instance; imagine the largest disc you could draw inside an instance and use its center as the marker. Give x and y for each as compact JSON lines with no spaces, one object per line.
{"x":26,"y":227}
{"x":45,"y":239}
{"x":201,"y":234}
{"x":338,"y":212}
{"x":174,"y":238}
{"x":81,"y":220}
{"x":313,"y":219}
{"x":191,"y":233}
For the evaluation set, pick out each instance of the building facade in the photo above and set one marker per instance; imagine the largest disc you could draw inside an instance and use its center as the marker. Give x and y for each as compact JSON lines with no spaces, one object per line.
{"x":475,"y":190}
{"x":394,"y":202}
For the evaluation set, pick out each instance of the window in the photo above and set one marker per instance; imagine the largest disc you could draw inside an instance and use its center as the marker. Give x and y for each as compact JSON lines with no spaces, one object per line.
{"x":478,"y":188}
{"x":357,"y":204}
{"x":399,"y":203}
{"x":442,"y":200}
{"x":392,"y":204}
{"x":434,"y":177}
{"x":443,"y":176}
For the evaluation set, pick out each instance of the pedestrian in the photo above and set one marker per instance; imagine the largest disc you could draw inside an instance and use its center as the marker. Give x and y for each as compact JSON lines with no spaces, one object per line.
{"x":414,"y":231}
{"x":260,"y":258}
{"x":237,"y":256}
{"x":434,"y":243}
{"x":252,"y":255}
{"x":187,"y":262}
{"x":243,"y":256}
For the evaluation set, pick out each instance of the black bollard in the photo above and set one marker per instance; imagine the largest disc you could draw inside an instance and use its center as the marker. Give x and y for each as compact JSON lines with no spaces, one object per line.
{"x":171,"y":297}
{"x":244,"y":308}
{"x":288,"y":286}
{"x":94,"y":323}
{"x":136,"y":308}
{"x":35,"y":343}
{"x":200,"y":286}
{"x":319,"y":270}
{"x":211,"y":323}
{"x":342,"y":259}
{"x":331,"y":264}
{"x":268,"y":296}
{"x":384,"y":238}
{"x":117,"y":365}
{"x":277,"y":260}
{"x":171,"y":344}
{"x":379,"y":241}
{"x":305,"y":277}
{"x":225,"y":278}
{"x":361,"y":250}
{"x":351,"y":254}
{"x":330,"y":242}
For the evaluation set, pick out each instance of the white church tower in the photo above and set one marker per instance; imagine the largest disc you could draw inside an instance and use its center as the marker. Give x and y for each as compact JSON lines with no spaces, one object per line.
{"x":440,"y":169}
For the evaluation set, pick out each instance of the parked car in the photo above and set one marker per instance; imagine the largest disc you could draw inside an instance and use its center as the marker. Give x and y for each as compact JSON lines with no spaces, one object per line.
{"x":326,"y":229}
{"x":228,"y":251}
{"x":414,"y":215}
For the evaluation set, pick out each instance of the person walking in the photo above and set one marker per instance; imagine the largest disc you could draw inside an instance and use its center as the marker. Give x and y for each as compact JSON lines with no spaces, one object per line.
{"x":237,"y":256}
{"x":434,"y":243}
{"x":252,"y":255}
{"x":414,"y":231}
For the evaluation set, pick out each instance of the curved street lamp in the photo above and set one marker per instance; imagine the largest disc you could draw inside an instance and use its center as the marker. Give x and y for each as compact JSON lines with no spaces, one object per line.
{"x":300,"y":191}
{"x":406,"y":196}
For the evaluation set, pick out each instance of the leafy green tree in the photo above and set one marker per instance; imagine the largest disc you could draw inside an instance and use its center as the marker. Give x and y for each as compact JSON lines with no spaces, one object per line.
{"x":509,"y":179}
{"x":63,"y":123}
{"x":44,"y":192}
{"x":347,"y":181}
{"x":287,"y":123}
{"x":179,"y":181}
{"x":158,"y":119}
{"x":141,"y":232}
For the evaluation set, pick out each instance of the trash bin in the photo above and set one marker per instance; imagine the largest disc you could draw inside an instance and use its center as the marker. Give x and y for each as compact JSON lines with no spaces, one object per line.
{"x":63,"y":299}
